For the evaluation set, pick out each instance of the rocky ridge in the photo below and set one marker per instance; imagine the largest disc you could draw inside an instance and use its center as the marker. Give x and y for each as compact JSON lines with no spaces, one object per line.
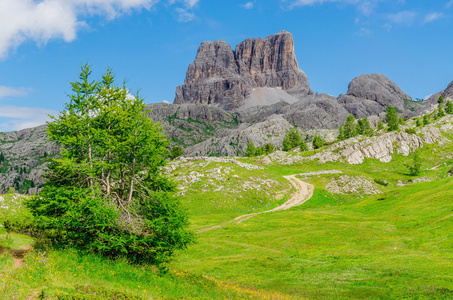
{"x":226,"y":77}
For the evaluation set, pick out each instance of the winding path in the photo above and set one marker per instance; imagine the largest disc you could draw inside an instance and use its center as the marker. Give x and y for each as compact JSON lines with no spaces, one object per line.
{"x":304,"y":191}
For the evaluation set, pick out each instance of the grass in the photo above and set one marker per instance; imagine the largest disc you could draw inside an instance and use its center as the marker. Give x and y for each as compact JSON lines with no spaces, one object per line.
{"x":394,"y":245}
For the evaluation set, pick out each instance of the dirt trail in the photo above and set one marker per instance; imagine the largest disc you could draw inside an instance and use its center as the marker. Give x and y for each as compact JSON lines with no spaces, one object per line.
{"x":304,"y":191}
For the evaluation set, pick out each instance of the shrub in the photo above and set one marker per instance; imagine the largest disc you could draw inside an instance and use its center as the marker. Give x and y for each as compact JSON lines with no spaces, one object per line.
{"x":318,"y":142}
{"x":176,"y":152}
{"x":292,"y":139}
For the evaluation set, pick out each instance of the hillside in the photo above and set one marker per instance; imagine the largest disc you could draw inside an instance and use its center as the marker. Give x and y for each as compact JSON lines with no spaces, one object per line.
{"x":370,"y":230}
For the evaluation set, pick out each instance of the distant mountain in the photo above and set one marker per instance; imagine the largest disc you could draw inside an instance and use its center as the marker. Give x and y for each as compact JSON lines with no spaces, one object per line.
{"x":226,"y":77}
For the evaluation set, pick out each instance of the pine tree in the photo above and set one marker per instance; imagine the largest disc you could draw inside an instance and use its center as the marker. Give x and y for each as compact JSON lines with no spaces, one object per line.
{"x":318,"y":141}
{"x":250,"y":151}
{"x":440,"y":112}
{"x":440,"y":100}
{"x":364,"y":127}
{"x":349,"y":129}
{"x":449,"y":107}
{"x":292,"y":139}
{"x":425,"y":119}
{"x":392,"y":119}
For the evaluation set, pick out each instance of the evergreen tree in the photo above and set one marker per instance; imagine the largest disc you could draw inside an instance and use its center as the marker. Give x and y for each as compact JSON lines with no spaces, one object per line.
{"x":292,"y":139}
{"x":425,"y":119}
{"x":303,"y":145}
{"x":106,"y":193}
{"x":250,"y":151}
{"x":440,"y":100}
{"x":380,"y":125}
{"x":318,"y":141}
{"x":364,"y":127}
{"x":349,"y":129}
{"x":449,"y":107}
{"x":440,"y":112}
{"x":392,"y":118}
{"x":418,"y":123}
{"x":416,"y":165}
{"x":269,"y":148}
{"x":175,"y":152}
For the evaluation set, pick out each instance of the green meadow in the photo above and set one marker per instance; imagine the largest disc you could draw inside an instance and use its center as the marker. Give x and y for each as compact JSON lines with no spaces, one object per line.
{"x":395,"y":244}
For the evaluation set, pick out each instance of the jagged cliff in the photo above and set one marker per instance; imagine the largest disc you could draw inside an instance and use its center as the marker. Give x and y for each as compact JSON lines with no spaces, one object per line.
{"x":220,"y":75}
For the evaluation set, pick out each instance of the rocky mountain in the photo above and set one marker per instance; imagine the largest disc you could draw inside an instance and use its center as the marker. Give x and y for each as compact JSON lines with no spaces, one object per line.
{"x":254,"y":93}
{"x":371,"y":94}
{"x":226,"y":77}
{"x":447,"y":94}
{"x":23,"y":159}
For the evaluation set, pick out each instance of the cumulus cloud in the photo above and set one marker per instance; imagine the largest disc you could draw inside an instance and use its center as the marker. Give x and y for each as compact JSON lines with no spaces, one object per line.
{"x":17,"y":118}
{"x":6,"y":91}
{"x":43,"y":20}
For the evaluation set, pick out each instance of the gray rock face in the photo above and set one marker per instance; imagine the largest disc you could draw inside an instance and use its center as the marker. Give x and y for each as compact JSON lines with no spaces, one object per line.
{"x":378,"y":88}
{"x":25,"y":152}
{"x":447,"y":94}
{"x":225,"y":77}
{"x":320,"y":111}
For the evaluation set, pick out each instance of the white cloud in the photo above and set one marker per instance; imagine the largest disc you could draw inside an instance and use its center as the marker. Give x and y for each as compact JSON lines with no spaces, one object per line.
{"x":12,"y":92}
{"x":41,"y":21}
{"x":363,"y":32}
{"x":17,"y":118}
{"x":403,"y":17}
{"x":449,"y":4}
{"x":365,"y":7}
{"x":433,"y":17}
{"x":184,"y":15}
{"x":248,"y":5}
{"x":187,"y":3}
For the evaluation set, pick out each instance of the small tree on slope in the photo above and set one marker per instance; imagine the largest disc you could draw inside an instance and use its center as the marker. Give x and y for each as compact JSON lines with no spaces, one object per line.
{"x":106,"y":194}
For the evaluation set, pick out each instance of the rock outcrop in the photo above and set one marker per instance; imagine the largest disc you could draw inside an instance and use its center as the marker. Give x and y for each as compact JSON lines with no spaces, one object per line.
{"x":222,"y":76}
{"x":447,"y":94}
{"x":371,"y":94}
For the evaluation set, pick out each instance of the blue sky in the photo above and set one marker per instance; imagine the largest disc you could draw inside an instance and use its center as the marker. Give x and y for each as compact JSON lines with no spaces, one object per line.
{"x":150,"y":43}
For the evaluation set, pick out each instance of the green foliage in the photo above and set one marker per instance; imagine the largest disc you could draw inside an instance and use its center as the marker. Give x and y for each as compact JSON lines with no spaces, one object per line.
{"x":364,"y":127}
{"x":440,"y":112}
{"x":318,"y":141}
{"x":2,"y":157}
{"x":449,"y":107}
{"x":175,"y":152}
{"x":292,"y":140}
{"x":418,"y":122}
{"x":380,"y":125}
{"x":349,"y":129}
{"x":269,"y":148}
{"x":414,"y":168}
{"x":106,"y":194}
{"x":251,"y":150}
{"x":425,"y":119}
{"x":440,"y":100}
{"x":410,"y":130}
{"x":392,"y":119}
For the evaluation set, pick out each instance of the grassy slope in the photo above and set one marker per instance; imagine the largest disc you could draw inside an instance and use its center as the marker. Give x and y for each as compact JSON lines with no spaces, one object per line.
{"x":397,"y":244}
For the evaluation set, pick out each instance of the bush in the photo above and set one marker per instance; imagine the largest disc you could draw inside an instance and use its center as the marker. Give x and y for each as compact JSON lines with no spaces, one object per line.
{"x":269,"y":148}
{"x":176,"y":152}
{"x":318,"y":142}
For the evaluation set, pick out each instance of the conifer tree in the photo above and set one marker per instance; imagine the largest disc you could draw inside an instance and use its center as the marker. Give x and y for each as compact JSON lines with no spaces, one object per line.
{"x":107,"y":193}
{"x":392,"y":118}
{"x":251,"y":149}
{"x":449,"y":107}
